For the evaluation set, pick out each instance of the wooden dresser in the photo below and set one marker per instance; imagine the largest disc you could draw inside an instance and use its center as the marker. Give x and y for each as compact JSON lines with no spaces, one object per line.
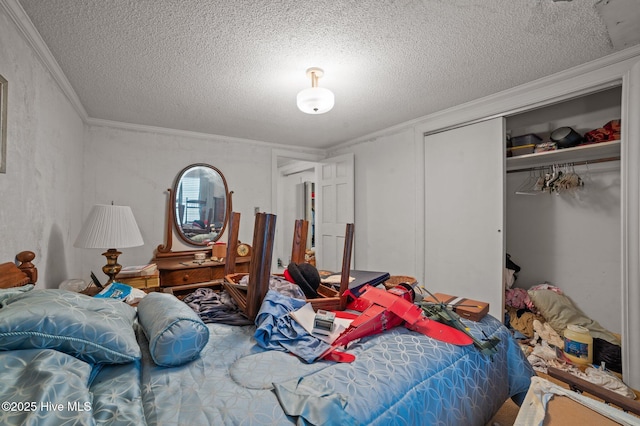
{"x":183,"y":273}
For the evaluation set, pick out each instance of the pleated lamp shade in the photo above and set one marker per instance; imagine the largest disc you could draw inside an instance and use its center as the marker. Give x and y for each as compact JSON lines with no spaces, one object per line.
{"x":109,"y":226}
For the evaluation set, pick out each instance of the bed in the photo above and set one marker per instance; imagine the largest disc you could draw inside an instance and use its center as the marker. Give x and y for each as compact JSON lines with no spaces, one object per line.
{"x":71,"y":359}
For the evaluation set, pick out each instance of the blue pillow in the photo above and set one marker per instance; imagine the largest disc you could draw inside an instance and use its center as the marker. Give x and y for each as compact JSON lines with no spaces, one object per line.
{"x":93,"y":330}
{"x":175,"y":332}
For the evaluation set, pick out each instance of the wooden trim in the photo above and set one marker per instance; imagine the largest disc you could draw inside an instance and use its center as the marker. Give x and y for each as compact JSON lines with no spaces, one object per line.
{"x":346,"y":264}
{"x":299,"y":246}
{"x":232,"y":243}
{"x":260,"y":267}
{"x":609,"y":397}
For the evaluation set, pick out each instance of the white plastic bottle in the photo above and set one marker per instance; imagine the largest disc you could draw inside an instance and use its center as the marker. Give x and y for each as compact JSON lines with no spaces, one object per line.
{"x":578,"y":344}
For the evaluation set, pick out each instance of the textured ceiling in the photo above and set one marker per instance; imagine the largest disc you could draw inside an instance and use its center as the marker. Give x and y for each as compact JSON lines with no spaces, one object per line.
{"x":234,"y":67}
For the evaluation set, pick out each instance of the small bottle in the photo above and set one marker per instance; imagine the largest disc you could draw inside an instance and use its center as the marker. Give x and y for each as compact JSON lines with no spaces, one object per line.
{"x":578,"y":345}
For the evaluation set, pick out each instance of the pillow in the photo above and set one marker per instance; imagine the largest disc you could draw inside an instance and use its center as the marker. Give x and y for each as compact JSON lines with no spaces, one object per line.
{"x":175,"y":332}
{"x":559,"y":311}
{"x":92,"y":330}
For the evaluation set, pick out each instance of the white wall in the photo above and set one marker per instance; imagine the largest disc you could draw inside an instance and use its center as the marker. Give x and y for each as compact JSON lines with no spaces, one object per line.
{"x":135,"y":168}
{"x":41,"y":193}
{"x":571,"y":240}
{"x":385,"y":200}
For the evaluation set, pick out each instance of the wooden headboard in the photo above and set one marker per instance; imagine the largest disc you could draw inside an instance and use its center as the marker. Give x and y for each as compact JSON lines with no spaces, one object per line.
{"x":12,"y":275}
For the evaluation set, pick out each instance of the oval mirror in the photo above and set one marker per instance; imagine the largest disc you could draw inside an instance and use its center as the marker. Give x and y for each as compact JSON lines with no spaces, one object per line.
{"x":201,"y":203}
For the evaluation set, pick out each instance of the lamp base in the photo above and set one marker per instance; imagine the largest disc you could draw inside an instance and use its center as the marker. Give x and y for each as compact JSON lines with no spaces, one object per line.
{"x":112,"y":268}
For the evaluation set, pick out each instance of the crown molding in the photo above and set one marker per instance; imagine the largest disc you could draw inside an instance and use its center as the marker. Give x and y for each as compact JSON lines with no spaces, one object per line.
{"x":33,"y":38}
{"x":584,"y":77}
{"x":97,"y":122}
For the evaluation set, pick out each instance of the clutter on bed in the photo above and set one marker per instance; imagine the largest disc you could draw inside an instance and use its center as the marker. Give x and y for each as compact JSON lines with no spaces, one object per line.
{"x":395,"y":280}
{"x":467,"y":308}
{"x":95,"y":364}
{"x":119,"y":291}
{"x":321,"y":296}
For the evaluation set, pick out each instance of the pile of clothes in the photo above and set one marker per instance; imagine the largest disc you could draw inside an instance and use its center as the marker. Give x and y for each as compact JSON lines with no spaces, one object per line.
{"x":540,"y":313}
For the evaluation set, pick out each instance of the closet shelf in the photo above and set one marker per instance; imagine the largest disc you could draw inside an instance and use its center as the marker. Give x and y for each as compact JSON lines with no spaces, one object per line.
{"x":587,"y":153}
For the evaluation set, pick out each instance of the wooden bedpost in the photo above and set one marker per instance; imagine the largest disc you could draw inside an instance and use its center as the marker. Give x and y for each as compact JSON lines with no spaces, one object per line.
{"x":299,"y":246}
{"x":346,"y":264}
{"x":25,"y":258}
{"x":232,"y":243}
{"x":260,"y":267}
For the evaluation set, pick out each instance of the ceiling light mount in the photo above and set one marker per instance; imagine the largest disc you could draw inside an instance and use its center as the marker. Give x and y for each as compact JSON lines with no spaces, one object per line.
{"x":314,"y":73}
{"x":315,"y":100}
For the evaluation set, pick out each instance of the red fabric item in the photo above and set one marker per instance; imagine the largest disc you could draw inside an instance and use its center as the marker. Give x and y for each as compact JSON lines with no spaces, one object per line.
{"x":338,"y":356}
{"x":346,"y":315}
{"x":287,"y":276}
{"x":609,"y":132}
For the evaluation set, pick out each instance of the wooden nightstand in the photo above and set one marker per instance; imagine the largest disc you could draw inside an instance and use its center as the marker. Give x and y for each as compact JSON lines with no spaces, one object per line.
{"x":145,"y":282}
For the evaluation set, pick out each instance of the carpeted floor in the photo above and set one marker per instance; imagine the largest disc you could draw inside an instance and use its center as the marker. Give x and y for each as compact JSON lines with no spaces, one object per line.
{"x":506,"y":416}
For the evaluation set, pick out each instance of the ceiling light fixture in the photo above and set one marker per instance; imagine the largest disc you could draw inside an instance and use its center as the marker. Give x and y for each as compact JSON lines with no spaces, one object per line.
{"x":315,"y":100}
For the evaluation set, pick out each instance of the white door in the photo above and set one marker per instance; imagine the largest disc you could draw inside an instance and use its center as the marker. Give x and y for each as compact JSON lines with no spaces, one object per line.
{"x":631,"y":228}
{"x":464,"y":212}
{"x":334,"y":209}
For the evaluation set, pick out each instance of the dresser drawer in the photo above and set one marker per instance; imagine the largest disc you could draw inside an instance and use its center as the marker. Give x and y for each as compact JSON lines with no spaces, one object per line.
{"x":185,"y":276}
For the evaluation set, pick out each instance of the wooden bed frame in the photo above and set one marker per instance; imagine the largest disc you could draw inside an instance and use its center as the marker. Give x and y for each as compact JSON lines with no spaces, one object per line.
{"x":20,"y":272}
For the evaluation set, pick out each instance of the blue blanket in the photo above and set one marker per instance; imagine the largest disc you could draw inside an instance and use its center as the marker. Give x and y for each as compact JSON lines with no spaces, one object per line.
{"x":399,"y":377}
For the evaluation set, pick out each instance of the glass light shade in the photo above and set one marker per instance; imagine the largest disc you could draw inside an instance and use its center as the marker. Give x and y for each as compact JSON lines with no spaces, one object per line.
{"x":109,"y":226}
{"x":315,"y":100}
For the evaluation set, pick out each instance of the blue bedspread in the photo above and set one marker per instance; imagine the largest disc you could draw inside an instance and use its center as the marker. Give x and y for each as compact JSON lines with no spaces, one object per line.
{"x":46,"y":387}
{"x":399,"y":378}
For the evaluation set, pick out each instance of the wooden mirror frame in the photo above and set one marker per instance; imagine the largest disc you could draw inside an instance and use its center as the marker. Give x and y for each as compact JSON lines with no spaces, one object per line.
{"x":165,"y":250}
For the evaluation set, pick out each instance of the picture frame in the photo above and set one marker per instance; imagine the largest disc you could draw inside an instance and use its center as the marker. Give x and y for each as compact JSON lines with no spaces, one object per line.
{"x":3,"y":124}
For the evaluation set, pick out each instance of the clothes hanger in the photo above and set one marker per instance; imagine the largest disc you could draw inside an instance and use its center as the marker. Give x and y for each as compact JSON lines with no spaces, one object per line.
{"x":528,"y":186}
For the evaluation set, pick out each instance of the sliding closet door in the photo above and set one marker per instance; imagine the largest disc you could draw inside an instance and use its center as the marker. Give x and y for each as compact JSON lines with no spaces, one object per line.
{"x":631,"y":228}
{"x":464,"y":212}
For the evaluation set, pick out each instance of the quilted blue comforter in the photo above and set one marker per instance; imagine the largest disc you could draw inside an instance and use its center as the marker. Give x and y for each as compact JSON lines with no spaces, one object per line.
{"x":399,"y":377}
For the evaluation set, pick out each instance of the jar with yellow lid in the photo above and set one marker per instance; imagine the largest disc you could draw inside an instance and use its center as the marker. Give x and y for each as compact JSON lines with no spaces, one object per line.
{"x":578,"y":344}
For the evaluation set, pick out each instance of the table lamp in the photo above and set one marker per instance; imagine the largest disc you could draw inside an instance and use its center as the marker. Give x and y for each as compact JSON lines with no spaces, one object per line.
{"x":107,"y":227}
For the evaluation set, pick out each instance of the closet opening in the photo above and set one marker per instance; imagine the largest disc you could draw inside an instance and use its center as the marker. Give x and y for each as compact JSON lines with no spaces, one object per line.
{"x":563,"y":211}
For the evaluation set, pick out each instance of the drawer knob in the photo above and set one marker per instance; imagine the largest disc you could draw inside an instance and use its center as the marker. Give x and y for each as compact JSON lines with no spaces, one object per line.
{"x":185,"y":277}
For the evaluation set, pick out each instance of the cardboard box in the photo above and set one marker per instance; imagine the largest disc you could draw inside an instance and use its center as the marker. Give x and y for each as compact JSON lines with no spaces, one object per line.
{"x":466,"y":308}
